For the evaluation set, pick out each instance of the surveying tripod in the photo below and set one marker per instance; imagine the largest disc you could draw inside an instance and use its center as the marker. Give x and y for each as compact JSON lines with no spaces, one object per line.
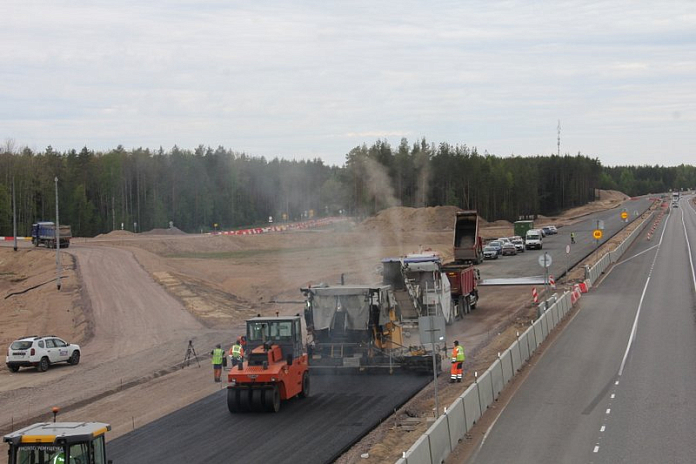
{"x":190,"y":351}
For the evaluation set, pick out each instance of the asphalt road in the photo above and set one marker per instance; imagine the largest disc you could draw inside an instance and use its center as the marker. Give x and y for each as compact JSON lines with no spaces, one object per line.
{"x":340,"y":410}
{"x":595,"y":397}
{"x":526,"y":264}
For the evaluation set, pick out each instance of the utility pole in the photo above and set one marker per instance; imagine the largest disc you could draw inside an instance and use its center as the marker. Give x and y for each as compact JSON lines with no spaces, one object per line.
{"x":14,"y":214}
{"x":559,"y":137}
{"x":57,"y":235}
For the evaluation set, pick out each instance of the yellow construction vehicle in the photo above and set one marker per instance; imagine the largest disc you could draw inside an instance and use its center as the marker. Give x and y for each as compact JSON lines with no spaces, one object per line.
{"x":59,"y":443}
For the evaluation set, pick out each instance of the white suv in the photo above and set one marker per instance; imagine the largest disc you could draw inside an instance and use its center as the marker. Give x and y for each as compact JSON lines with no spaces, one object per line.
{"x":40,"y":352}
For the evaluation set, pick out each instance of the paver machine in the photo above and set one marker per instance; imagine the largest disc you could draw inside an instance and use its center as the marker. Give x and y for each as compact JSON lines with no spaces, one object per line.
{"x":356,"y":329}
{"x":58,"y":443}
{"x":276,"y":368}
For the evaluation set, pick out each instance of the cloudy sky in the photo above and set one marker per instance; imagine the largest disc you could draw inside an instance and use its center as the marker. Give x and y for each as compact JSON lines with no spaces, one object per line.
{"x":308,"y":79}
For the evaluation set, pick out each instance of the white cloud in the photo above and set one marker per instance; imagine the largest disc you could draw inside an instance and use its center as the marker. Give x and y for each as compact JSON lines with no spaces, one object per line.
{"x":294,"y":80}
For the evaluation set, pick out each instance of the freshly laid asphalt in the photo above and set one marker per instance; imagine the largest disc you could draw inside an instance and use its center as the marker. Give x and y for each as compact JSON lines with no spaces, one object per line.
{"x":340,"y":411}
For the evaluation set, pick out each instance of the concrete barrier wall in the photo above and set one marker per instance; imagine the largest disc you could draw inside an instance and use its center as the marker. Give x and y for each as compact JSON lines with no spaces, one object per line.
{"x":516,"y":355}
{"x":485,"y":389}
{"x":446,"y":433}
{"x":439,"y":437}
{"x":496,"y":371}
{"x":472,"y":406}
{"x":506,"y":364}
{"x":456,"y":421}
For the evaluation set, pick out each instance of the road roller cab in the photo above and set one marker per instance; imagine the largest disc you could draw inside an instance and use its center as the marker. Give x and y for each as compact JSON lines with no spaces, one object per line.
{"x":58,"y":443}
{"x":276,"y":368}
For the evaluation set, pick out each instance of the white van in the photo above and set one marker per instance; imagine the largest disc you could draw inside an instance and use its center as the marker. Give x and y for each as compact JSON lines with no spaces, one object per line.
{"x":533,"y":239}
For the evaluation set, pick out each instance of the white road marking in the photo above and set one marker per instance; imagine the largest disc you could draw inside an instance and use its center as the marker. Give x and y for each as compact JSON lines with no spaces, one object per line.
{"x":604,"y":427}
{"x":608,"y":411}
{"x":596,"y":448}
{"x":688,"y":245}
{"x":613,"y":395}
{"x":635,"y":256}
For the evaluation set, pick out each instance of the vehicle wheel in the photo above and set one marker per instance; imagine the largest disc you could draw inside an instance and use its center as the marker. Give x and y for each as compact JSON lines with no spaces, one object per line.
{"x":233,"y":400}
{"x":272,"y":399}
{"x":466,"y":307}
{"x":13,"y":368}
{"x":43,"y":364}
{"x":305,"y":385}
{"x":75,"y":358}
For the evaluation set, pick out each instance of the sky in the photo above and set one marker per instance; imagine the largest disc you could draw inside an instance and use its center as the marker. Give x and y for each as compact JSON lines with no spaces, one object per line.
{"x":314,"y":79}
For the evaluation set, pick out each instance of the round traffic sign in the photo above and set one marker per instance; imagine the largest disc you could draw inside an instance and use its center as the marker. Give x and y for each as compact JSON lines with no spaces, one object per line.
{"x":545,"y":260}
{"x":597,"y":234}
{"x":624,"y":214}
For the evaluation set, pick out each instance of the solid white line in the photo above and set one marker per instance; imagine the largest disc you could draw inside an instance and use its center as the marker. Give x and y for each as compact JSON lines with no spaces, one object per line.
{"x":688,"y":245}
{"x":635,"y":256}
{"x":640,"y":304}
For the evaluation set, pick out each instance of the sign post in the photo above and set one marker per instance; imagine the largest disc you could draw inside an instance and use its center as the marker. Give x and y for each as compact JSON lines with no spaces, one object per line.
{"x":545,"y":262}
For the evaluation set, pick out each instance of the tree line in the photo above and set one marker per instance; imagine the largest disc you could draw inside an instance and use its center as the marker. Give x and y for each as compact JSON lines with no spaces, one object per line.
{"x":141,"y":189}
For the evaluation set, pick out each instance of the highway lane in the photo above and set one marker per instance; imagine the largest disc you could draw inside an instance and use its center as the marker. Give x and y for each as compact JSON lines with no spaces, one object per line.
{"x":575,"y":407}
{"x":340,"y":410}
{"x":526,"y":264}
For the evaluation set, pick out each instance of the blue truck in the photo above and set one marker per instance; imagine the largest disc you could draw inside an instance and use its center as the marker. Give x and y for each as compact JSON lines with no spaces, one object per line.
{"x":44,"y":233}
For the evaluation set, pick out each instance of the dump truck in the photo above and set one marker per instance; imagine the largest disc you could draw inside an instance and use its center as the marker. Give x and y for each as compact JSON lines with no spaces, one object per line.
{"x":463,"y":279}
{"x":44,"y":233}
{"x":420,"y":286}
{"x":277,"y":368}
{"x":468,"y":246}
{"x":59,"y":442}
{"x":521,"y":228}
{"x":356,"y":329}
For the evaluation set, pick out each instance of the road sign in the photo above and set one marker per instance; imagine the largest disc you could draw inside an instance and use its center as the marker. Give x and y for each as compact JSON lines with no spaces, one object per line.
{"x":624,"y":215}
{"x":545,"y":260}
{"x":597,"y":234}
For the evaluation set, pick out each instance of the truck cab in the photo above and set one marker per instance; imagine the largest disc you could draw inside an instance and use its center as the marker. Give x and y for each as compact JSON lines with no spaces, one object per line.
{"x":59,"y":442}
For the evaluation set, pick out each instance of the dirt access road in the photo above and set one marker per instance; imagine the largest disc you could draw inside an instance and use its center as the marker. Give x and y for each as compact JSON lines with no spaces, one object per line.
{"x":134,"y":332}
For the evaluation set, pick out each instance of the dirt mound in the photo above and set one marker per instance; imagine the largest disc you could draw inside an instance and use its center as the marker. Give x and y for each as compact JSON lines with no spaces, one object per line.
{"x":405,"y":219}
{"x":612,"y":195}
{"x":170,"y":231}
{"x":115,"y":233}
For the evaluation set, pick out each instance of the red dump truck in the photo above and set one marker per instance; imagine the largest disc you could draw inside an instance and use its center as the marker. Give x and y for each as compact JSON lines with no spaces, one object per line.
{"x":468,"y":246}
{"x":468,"y":250}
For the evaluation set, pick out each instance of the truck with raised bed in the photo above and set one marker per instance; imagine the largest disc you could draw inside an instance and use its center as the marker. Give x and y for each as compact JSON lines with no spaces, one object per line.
{"x":468,"y":246}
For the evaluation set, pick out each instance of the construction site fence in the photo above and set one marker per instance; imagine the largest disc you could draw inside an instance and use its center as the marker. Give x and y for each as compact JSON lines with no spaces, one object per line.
{"x":450,"y":429}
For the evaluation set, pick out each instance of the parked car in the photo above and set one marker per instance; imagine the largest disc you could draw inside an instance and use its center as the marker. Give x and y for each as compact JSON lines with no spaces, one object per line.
{"x":40,"y":352}
{"x":519,"y":244}
{"x":490,"y":252}
{"x":504,"y":240}
{"x":509,"y":249}
{"x":498,"y":245}
{"x":553,"y":230}
{"x":545,"y":231}
{"x":534,"y":239}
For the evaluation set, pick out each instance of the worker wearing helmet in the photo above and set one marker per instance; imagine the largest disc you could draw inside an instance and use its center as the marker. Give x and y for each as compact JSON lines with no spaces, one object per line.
{"x":236,"y":353}
{"x":457,"y":362}
{"x":218,"y":354}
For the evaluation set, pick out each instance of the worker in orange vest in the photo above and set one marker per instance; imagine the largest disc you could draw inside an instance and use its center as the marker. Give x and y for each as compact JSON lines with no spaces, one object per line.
{"x":457,"y":362}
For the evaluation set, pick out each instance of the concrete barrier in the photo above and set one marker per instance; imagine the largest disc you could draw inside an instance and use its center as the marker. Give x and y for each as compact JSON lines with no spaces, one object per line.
{"x":516,"y":355}
{"x":485,"y":389}
{"x":544,"y":322}
{"x":552,"y":317}
{"x":439,"y":436}
{"x":528,"y":336}
{"x":456,"y":421}
{"x":419,"y":453}
{"x":472,"y":405}
{"x":497,"y":382}
{"x":506,"y":364}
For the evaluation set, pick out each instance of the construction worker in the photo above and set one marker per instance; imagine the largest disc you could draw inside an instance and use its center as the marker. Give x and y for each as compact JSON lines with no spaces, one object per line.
{"x":218,"y":354}
{"x":457,"y":362}
{"x":236,"y":353}
{"x":242,"y":342}
{"x":572,"y":237}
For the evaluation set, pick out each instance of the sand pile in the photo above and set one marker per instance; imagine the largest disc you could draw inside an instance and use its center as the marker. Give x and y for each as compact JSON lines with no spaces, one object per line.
{"x":115,"y":233}
{"x":170,"y":231}
{"x":405,"y":219}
